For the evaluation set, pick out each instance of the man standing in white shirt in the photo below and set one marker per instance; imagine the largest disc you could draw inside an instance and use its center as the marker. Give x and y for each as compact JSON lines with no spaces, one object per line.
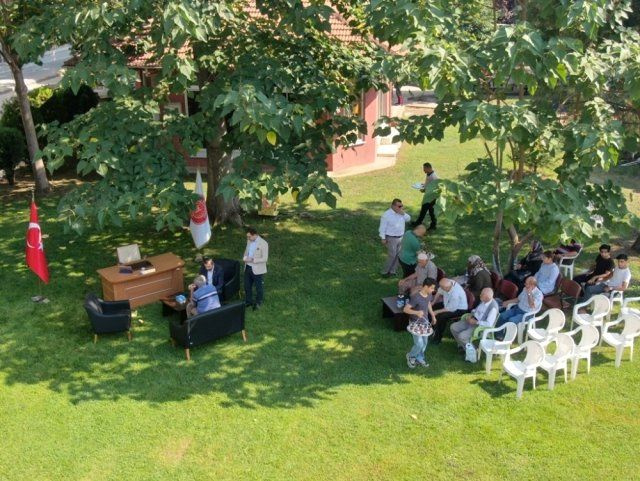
{"x":619,"y":280}
{"x":454,"y":304}
{"x":391,"y":230}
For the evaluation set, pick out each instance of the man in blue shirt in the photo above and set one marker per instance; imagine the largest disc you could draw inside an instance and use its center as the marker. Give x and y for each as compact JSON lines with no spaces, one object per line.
{"x":203,"y":297}
{"x":547,"y":275}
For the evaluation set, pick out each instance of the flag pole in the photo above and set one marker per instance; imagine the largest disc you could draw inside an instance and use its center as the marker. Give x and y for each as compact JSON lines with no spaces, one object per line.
{"x":39,"y":297}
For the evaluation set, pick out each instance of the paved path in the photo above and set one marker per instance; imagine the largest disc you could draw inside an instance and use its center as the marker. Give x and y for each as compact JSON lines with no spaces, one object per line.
{"x":49,"y":73}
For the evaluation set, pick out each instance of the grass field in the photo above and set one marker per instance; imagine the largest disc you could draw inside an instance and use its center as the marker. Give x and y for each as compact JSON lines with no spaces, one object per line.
{"x":321,"y":389}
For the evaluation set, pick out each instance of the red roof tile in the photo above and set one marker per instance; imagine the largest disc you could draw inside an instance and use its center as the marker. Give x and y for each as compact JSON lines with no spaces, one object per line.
{"x":340,"y":30}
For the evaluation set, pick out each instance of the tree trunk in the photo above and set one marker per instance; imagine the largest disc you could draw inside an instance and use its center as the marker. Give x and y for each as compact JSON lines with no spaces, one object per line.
{"x":517,"y":243}
{"x":497,"y":230}
{"x":39,"y":171}
{"x":636,"y":244}
{"x":219,"y":163}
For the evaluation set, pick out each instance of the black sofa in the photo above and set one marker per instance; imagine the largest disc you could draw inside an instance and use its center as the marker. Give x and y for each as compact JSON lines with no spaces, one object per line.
{"x":231,"y":287}
{"x":209,"y":326}
{"x":108,"y":316}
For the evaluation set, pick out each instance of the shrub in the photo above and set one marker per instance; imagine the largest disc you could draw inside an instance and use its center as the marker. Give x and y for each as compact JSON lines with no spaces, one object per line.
{"x":12,"y":150}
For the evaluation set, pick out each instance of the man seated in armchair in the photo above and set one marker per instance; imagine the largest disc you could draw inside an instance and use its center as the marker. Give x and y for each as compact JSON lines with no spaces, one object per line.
{"x":213,"y":274}
{"x":203,"y":297}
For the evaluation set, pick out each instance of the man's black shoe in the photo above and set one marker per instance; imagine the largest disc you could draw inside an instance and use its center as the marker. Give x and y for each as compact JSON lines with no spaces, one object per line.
{"x":248,"y":304}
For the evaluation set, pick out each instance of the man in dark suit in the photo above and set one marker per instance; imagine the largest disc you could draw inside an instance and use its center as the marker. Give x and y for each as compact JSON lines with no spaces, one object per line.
{"x":213,"y":274}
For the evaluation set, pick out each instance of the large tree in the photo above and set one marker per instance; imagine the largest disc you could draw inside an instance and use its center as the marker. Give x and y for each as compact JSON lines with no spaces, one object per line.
{"x":272,"y":91}
{"x":540,"y":93}
{"x":20,"y":45}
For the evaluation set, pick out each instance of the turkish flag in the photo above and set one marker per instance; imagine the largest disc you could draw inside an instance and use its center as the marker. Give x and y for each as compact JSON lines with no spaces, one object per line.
{"x":36,"y":259}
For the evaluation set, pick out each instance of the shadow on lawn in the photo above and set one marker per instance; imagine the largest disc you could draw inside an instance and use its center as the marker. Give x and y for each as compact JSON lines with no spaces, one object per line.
{"x":320,"y":327}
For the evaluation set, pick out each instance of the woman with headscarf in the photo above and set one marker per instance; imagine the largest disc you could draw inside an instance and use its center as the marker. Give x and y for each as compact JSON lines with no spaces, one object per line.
{"x":479,"y":276}
{"x":528,"y":265}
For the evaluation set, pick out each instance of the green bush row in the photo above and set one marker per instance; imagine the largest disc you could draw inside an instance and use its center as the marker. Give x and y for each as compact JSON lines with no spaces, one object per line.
{"x":47,"y":105}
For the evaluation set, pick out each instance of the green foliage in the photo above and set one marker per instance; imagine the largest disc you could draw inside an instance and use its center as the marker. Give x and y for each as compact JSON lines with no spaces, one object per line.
{"x":11,"y":116}
{"x":49,"y":105}
{"x":572,"y":64}
{"x":282,"y":101}
{"x":12,"y":150}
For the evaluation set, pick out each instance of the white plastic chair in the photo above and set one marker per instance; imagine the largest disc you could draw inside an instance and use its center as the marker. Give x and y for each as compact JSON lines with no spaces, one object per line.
{"x":546,"y":335}
{"x":600,"y":308}
{"x":567,"y":262}
{"x":520,"y":370}
{"x":582,"y":350}
{"x":493,"y":347}
{"x":615,"y":296}
{"x":552,"y":363}
{"x":522,"y":325}
{"x":623,"y":339}
{"x":625,"y":306}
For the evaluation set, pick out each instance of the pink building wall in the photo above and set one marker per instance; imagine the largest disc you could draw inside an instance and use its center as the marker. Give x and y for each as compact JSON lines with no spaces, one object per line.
{"x":376,"y":104}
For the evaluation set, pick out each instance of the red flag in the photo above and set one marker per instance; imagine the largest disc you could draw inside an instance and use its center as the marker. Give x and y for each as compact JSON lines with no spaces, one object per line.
{"x":36,"y":259}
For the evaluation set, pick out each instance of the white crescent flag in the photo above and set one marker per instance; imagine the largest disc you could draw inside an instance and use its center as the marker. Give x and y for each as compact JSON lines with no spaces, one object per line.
{"x":199,"y":225}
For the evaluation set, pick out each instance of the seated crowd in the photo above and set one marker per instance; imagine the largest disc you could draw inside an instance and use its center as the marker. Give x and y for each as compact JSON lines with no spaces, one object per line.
{"x":432,"y":303}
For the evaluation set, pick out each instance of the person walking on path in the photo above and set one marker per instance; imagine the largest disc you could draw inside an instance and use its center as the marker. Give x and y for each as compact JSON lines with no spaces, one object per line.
{"x":391,"y":230}
{"x":409,"y":248}
{"x":255,"y":258}
{"x":427,"y":205}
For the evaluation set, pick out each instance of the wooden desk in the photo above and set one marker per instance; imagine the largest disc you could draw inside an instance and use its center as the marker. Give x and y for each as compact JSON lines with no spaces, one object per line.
{"x":141,"y":289}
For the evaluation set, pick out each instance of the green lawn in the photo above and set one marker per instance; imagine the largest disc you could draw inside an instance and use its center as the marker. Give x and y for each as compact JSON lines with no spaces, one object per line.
{"x":320,"y":390}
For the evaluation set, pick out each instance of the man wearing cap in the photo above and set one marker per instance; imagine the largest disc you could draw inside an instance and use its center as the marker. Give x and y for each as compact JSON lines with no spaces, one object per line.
{"x":391,"y":230}
{"x":424,"y":268}
{"x":619,"y":280}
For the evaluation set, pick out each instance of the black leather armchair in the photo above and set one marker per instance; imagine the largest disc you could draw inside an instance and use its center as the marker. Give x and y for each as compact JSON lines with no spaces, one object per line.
{"x":231,"y":285}
{"x":208,"y":326}
{"x":108,"y":316}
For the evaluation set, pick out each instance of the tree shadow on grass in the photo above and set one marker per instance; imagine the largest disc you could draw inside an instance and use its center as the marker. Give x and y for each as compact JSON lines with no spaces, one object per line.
{"x":320,"y":328}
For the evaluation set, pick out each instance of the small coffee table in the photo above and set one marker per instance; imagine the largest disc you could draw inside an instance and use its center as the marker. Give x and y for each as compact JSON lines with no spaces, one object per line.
{"x":390,"y":309}
{"x":170,"y":307}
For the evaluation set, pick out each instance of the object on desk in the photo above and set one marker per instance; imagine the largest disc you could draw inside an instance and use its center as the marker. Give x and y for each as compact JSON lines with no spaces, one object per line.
{"x":147,"y":270}
{"x":143,"y":264}
{"x":129,"y":253}
{"x":125,"y":270}
{"x":417,"y":185}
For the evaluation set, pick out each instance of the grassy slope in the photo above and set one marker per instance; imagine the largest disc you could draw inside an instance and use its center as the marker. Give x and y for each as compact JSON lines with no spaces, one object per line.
{"x":320,"y":390}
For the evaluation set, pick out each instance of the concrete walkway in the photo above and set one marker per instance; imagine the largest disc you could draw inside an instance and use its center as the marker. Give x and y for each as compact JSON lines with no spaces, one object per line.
{"x":49,"y":73}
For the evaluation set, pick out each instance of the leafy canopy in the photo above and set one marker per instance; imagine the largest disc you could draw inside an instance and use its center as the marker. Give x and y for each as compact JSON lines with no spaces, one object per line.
{"x":540,"y":93}
{"x":269,"y":80}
